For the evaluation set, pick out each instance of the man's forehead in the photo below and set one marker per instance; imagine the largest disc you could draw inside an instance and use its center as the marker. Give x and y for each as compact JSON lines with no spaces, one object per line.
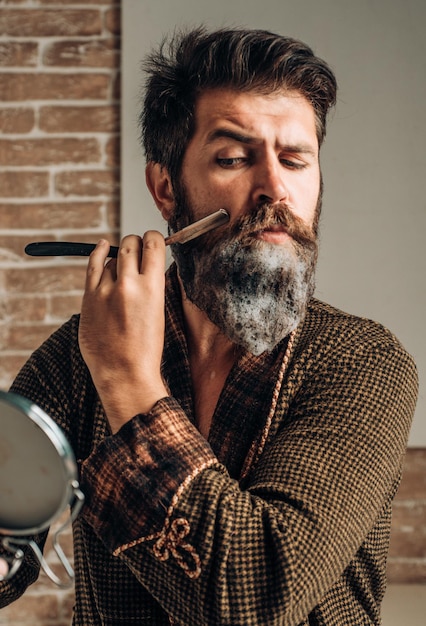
{"x":242,"y":116}
{"x":234,"y":96}
{"x":227,"y":101}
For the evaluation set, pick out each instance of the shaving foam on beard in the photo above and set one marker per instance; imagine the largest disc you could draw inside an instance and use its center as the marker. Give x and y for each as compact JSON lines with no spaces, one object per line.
{"x":255,"y":292}
{"x":256,"y":295}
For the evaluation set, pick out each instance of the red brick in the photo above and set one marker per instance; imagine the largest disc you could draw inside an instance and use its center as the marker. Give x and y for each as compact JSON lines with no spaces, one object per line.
{"x":50,"y":22}
{"x":17,"y":120}
{"x":18,"y":53}
{"x":409,"y":545}
{"x":116,"y":87}
{"x":70,"y":2}
{"x":71,"y":119}
{"x":26,"y":336}
{"x":112,"y":150}
{"x":99,"y":53}
{"x":62,"y":307}
{"x":113,"y":214}
{"x":39,"y":86}
{"x":408,"y":536}
{"x":67,"y":606}
{"x":413,"y":483}
{"x":22,"y":309}
{"x":12,"y":247}
{"x":26,"y":184}
{"x":46,"y":279}
{"x":412,"y":514}
{"x":93,"y":237}
{"x":48,"y":151}
{"x":87,"y":183}
{"x":53,"y":215}
{"x":406,"y":571}
{"x":113,"y":21}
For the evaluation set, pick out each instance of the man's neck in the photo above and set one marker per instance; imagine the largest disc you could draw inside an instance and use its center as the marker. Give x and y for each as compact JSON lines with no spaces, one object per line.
{"x":211,"y":357}
{"x":205,"y":340}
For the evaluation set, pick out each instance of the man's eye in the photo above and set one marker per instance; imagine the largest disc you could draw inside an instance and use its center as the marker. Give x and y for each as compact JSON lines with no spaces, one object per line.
{"x":230,"y":161}
{"x":294,"y":165}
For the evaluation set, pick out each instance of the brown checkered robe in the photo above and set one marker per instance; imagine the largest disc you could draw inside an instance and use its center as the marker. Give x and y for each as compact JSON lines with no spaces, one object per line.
{"x":281,"y":518}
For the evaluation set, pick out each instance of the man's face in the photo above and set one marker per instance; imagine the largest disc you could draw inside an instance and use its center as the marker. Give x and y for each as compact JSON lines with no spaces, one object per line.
{"x":248,"y":148}
{"x":257,"y":157}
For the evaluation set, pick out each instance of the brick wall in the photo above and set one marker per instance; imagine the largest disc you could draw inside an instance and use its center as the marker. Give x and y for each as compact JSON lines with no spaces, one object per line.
{"x":59,"y":161}
{"x":407,"y":554}
{"x":59,"y":179}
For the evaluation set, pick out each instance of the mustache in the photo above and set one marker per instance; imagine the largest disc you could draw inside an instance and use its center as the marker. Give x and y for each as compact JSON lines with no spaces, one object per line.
{"x":267,"y":216}
{"x":244,"y":230}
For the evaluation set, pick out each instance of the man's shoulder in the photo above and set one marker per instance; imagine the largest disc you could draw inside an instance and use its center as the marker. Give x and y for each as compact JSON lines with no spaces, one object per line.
{"x":327,"y":323}
{"x":318,"y":310}
{"x":331,"y":341}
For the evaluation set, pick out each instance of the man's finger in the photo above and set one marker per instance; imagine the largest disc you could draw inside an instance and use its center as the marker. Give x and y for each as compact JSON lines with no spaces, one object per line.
{"x":95,"y":266}
{"x":129,"y":255}
{"x":153,"y":257}
{"x":4,"y":568}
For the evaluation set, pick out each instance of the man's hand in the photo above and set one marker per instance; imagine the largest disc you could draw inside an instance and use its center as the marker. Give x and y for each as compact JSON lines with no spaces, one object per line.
{"x":4,"y":568}
{"x":121,"y":332}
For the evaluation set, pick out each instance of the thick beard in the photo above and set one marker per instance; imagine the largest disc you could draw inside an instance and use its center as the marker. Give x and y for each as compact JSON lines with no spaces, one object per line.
{"x":255,"y":292}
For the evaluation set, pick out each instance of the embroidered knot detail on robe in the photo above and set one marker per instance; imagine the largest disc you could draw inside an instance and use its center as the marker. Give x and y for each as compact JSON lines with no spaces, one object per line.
{"x":171,"y":542}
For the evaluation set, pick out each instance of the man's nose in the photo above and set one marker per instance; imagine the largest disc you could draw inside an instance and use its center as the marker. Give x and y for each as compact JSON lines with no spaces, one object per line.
{"x":270,"y":182}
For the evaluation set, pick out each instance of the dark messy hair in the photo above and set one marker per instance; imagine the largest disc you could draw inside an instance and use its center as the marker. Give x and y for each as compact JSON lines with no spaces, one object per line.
{"x":244,"y":60}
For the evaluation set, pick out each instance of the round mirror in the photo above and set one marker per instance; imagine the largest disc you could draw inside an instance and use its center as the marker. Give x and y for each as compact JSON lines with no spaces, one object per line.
{"x":38,"y":479}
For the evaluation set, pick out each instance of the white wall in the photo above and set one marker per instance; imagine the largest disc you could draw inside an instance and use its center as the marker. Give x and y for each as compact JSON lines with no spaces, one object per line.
{"x":372,"y":259}
{"x":404,"y":605}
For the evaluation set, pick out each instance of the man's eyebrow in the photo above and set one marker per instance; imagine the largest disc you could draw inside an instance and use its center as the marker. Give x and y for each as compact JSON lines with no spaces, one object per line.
{"x":218,"y":133}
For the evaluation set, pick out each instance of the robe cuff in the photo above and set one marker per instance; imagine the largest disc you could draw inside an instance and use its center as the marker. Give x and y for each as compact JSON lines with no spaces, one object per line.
{"x":133,"y":480}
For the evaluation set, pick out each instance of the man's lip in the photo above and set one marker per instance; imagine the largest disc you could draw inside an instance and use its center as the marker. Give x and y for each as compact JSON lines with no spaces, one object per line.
{"x":275,"y":228}
{"x":273,"y":234}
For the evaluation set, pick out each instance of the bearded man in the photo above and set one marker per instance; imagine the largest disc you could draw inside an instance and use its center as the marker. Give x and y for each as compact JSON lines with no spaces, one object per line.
{"x":240,"y":442}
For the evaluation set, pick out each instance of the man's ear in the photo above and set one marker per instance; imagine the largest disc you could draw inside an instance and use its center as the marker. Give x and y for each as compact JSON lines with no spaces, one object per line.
{"x":160,"y":185}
